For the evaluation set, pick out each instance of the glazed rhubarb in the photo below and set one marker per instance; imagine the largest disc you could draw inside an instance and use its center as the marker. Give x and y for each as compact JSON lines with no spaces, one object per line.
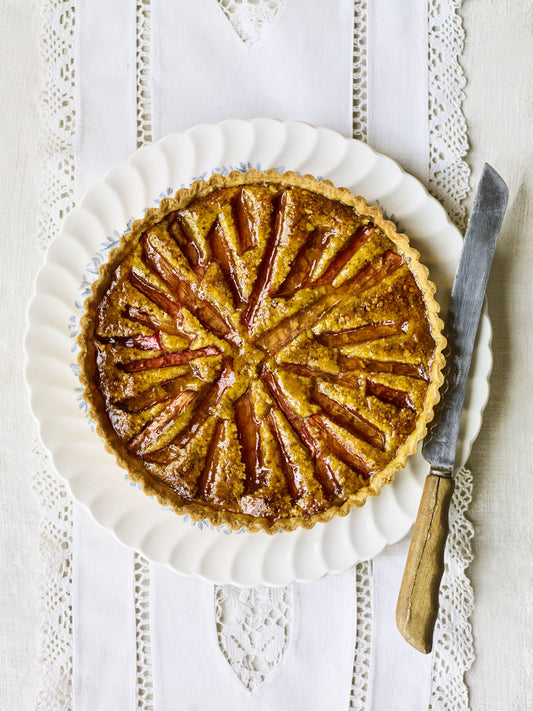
{"x":248,"y":433}
{"x":265,"y":272}
{"x":187,"y":245}
{"x":155,"y":394}
{"x":169,"y":360}
{"x":262,"y":350}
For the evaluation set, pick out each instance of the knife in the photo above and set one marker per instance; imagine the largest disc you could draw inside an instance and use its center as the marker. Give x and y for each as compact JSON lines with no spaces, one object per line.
{"x":418,"y":600}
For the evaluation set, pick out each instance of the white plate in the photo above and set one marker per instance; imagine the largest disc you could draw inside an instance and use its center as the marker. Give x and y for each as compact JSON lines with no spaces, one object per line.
{"x":51,"y":371}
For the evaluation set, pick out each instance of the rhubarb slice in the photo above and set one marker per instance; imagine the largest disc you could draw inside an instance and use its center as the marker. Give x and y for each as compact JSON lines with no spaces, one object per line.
{"x":349,"y":419}
{"x":209,"y":397}
{"x":291,"y":473}
{"x":390,"y":396}
{"x":339,"y":446}
{"x":337,"y":264}
{"x":223,"y":255}
{"x":187,"y":245}
{"x":155,"y":394}
{"x":245,"y":224}
{"x":157,"y":425}
{"x":307,"y":371}
{"x":360,"y":334}
{"x":410,"y":370}
{"x":250,"y":442}
{"x":141,"y":341}
{"x":168,"y":360}
{"x":156,"y":296}
{"x":323,"y":472}
{"x":373,"y":273}
{"x":136,"y":315}
{"x":207,"y":478}
{"x":265,"y":271}
{"x":207,"y":314}
{"x":304,"y":263}
{"x":273,"y":340}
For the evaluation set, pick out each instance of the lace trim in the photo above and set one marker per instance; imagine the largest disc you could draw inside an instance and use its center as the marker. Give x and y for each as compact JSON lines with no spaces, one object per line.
{"x":250,"y":17}
{"x":143,"y":633}
{"x":143,"y":637}
{"x":453,"y":649}
{"x":364,"y":570}
{"x":253,"y":629}
{"x":56,"y":188}
{"x":142,"y":58}
{"x":363,"y":636}
{"x":449,"y":174}
{"x":449,"y":182}
{"x":55,"y":585}
{"x":359,"y":64}
{"x":57,"y":113}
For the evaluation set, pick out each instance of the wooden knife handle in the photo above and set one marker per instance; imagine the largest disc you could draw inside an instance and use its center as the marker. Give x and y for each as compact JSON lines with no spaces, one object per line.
{"x":418,"y":601}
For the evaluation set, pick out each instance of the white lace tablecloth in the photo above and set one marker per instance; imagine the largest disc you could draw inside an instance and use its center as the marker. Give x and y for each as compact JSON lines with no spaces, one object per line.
{"x":120,"y":632}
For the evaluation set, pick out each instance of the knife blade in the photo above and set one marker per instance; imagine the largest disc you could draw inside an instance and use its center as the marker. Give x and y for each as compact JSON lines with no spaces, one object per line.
{"x":417,"y":607}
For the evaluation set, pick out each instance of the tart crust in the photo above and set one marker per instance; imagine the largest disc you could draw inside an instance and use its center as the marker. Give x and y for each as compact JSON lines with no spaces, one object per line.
{"x":149,"y":473}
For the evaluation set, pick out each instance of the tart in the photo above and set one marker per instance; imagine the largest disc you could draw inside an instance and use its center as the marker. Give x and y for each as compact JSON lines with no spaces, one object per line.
{"x":262,"y":350}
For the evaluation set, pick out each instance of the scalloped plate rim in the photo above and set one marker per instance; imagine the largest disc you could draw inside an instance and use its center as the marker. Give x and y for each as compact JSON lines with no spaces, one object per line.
{"x":484,"y":350}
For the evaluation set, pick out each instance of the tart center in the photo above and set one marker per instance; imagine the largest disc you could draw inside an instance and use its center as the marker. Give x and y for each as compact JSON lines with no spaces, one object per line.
{"x":249,"y":361}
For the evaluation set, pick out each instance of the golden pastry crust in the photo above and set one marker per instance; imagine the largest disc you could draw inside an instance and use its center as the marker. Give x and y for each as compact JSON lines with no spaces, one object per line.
{"x":262,"y":350}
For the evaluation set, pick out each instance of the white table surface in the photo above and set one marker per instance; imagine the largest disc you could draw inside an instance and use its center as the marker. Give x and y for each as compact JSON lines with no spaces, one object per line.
{"x":498,"y":61}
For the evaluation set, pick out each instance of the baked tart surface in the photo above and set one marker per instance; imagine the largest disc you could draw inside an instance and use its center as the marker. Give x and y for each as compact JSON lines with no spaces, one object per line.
{"x":262,"y":350}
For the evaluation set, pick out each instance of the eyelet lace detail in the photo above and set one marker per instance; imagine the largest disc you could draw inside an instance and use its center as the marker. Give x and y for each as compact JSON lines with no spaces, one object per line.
{"x":359,"y":69}
{"x":449,"y":173}
{"x":253,"y":629}
{"x":449,"y":176}
{"x":250,"y":17}
{"x":55,"y":544}
{"x":143,"y":638}
{"x":57,"y":190}
{"x":363,"y":636}
{"x":453,"y":648}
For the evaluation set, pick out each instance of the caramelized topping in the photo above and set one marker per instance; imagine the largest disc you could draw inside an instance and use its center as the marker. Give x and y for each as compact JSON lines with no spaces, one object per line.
{"x":347,"y":379}
{"x":339,"y":446}
{"x":154,"y":428}
{"x":187,"y":246}
{"x":156,"y":296}
{"x":264,"y":283}
{"x":142,"y":342}
{"x":207,"y":478}
{"x":352,"y":421}
{"x":222,"y":254}
{"x":154,"y":395}
{"x":360,"y":334}
{"x":244,"y":219}
{"x":152,"y":321}
{"x":342,"y":258}
{"x":249,"y":440}
{"x":373,"y":273}
{"x":184,"y":293}
{"x":398,"y":398}
{"x":304,"y":263}
{"x":409,"y":370}
{"x":168,"y":360}
{"x":273,"y":340}
{"x":323,"y":473}
{"x":209,"y":396}
{"x":265,"y":271}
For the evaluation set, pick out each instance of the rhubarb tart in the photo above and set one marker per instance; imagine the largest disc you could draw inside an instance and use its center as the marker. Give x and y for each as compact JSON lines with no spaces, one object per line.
{"x":262,"y":350}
